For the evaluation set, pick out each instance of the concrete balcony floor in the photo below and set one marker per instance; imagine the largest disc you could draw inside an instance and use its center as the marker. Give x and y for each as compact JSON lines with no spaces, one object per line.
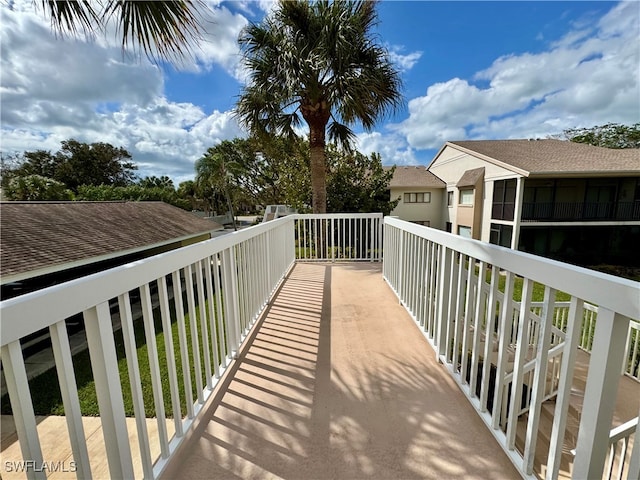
{"x":337,"y":382}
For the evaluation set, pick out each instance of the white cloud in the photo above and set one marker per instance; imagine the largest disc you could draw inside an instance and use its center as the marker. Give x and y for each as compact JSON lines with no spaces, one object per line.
{"x":220,"y":42}
{"x":393,"y":148}
{"x":54,"y":89}
{"x":164,"y":138}
{"x":404,"y":62}
{"x":588,"y":77}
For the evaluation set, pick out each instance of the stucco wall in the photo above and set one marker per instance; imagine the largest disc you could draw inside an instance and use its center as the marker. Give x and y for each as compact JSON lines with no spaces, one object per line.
{"x":450,"y":166}
{"x":420,"y":212}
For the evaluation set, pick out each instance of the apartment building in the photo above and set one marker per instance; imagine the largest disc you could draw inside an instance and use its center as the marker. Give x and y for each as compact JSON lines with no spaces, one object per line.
{"x":549,"y":197}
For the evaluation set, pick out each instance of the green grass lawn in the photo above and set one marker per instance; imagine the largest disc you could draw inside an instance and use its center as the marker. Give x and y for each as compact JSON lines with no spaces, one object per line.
{"x":47,"y":399}
{"x":537,"y":293}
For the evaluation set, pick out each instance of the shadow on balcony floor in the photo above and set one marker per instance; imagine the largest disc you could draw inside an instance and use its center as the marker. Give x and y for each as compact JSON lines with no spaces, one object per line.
{"x":337,"y":382}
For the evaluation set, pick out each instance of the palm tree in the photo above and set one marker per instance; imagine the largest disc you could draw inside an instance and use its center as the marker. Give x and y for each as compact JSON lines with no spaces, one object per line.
{"x":217,"y":170}
{"x":163,"y":29}
{"x":319,"y":61}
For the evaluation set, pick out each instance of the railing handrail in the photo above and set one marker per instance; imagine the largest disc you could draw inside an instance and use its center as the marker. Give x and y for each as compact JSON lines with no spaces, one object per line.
{"x":580,"y":282}
{"x":555,"y":351}
{"x":623,"y":431}
{"x":19,"y":315}
{"x":587,"y":305}
{"x":329,"y":216}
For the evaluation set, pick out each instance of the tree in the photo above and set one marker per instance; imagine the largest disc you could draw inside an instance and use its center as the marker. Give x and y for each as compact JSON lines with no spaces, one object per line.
{"x":264,"y":169}
{"x":358,"y":183}
{"x":9,"y":164}
{"x":288,"y":161}
{"x":157,"y":182}
{"x":132,"y":193}
{"x":37,"y":188}
{"x":188,"y":191}
{"x":163,"y":30}
{"x":39,"y":162}
{"x":611,"y":135}
{"x":93,"y":164}
{"x":215,"y":170}
{"x":316,"y":61}
{"x":78,"y":164}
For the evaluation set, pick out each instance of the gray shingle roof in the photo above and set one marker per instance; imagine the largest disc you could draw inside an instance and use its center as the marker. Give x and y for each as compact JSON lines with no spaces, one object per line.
{"x":539,"y":157}
{"x":414,"y":176}
{"x":41,"y":235}
{"x":471,"y":177}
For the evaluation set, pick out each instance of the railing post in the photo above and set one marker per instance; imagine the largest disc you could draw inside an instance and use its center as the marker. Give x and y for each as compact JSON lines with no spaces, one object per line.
{"x":128,"y":335}
{"x":569,"y":354}
{"x":400,"y":265}
{"x":634,"y":462}
{"x":102,"y":352}
{"x":522,"y":347}
{"x":331,"y":228}
{"x":232,"y":316}
{"x":69,"y":391}
{"x":154,"y":367}
{"x":540,"y":378}
{"x":22,"y":406}
{"x":381,"y":237}
{"x":444,"y":287}
{"x":600,"y":394}
{"x":372,"y":242}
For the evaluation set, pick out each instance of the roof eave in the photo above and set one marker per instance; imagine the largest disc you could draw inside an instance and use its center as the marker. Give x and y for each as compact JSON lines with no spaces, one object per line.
{"x":18,"y":277}
{"x":582,"y":173}
{"x":484,"y":157}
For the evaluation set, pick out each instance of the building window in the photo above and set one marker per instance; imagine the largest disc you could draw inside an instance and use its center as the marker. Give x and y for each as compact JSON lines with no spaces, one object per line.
{"x":464,"y":231}
{"x":504,"y":199}
{"x":421,"y":197}
{"x":450,"y":199}
{"x":501,"y":235}
{"x":448,"y":227}
{"x":466,"y":197}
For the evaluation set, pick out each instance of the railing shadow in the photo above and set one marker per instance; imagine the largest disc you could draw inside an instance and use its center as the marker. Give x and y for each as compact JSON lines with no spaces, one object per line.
{"x":322,"y":389}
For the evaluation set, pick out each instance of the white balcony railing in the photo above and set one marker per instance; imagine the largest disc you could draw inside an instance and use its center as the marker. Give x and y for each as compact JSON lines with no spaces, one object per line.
{"x":506,"y":352}
{"x":450,"y":285}
{"x":226,"y":283}
{"x":339,"y":237}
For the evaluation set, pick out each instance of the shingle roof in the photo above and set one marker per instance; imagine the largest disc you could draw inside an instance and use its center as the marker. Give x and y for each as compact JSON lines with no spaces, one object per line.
{"x":539,"y":157}
{"x":414,"y":176}
{"x":471,"y":177}
{"x":43,"y":235}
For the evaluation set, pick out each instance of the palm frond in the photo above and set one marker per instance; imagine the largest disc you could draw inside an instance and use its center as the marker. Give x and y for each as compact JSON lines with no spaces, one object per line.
{"x":165,"y":30}
{"x":320,"y":54}
{"x":341,"y":134}
{"x":71,"y":16}
{"x":161,"y":29}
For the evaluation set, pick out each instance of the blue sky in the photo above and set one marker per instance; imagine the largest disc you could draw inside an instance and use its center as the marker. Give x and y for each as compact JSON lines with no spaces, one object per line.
{"x":471,"y":70}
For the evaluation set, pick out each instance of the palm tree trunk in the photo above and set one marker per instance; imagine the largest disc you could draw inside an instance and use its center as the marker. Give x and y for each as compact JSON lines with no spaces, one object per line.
{"x":319,"y":180}
{"x":230,"y":204}
{"x":318,"y":168}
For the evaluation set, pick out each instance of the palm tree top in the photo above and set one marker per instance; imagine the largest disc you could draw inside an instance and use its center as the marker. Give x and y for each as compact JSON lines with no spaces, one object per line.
{"x":320,"y":62}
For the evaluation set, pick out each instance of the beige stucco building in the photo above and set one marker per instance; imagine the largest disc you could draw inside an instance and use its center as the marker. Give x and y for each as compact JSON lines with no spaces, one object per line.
{"x":555,"y":198}
{"x":420,"y":196}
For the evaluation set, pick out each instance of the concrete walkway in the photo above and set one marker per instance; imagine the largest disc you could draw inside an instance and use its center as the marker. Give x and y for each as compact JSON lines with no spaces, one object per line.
{"x":337,"y":382}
